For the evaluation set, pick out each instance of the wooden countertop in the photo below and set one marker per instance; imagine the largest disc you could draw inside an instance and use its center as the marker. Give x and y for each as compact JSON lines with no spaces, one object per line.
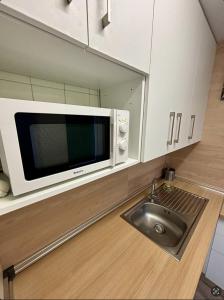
{"x":112,"y":260}
{"x":222,"y":211}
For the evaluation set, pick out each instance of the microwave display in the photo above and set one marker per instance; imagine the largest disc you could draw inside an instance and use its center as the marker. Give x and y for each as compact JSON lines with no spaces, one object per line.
{"x":53,"y":143}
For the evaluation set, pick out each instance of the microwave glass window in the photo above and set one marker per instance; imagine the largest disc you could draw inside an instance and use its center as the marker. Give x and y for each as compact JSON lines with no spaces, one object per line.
{"x":49,"y":149}
{"x":52,"y":143}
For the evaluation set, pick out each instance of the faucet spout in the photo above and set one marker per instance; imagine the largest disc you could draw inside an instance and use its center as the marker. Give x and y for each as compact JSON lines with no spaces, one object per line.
{"x":153,"y":196}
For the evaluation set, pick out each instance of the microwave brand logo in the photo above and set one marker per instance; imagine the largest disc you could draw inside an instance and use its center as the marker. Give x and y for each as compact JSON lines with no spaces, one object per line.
{"x":77,"y":172}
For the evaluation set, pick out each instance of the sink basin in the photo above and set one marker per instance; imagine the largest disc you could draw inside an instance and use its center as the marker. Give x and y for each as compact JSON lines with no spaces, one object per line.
{"x":160,"y":224}
{"x":170,"y":221}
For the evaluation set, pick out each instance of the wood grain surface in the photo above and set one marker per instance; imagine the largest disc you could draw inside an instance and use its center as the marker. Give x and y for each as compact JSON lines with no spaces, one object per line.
{"x":112,"y":260}
{"x":26,"y":230}
{"x":1,"y":284}
{"x":222,"y":211}
{"x":204,"y":161}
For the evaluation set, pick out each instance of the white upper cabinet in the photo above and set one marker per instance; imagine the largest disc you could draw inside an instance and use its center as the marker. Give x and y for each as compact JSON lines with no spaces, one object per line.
{"x":204,"y":65}
{"x":67,"y":20}
{"x":176,"y":76}
{"x":170,"y":40}
{"x":127,"y":35}
{"x":118,"y":30}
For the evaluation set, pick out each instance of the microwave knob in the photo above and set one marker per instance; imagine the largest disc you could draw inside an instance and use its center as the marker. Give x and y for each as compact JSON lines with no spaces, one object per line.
{"x":123,"y":145}
{"x":123,"y":127}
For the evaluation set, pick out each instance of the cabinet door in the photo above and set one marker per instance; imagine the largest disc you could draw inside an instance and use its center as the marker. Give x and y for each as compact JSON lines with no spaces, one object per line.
{"x":185,"y":70}
{"x":204,"y":66}
{"x":171,"y":76}
{"x":215,"y":268}
{"x":68,"y":20}
{"x":128,"y":36}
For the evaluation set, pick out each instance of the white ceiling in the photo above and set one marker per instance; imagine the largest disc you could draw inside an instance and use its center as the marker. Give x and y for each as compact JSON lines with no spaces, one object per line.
{"x":214,"y":10}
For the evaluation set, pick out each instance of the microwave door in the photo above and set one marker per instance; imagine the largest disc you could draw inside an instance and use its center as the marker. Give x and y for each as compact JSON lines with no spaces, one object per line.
{"x":51,"y":144}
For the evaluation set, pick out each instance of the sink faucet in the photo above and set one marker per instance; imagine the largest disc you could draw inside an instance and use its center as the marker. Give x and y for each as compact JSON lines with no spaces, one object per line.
{"x":153,"y":195}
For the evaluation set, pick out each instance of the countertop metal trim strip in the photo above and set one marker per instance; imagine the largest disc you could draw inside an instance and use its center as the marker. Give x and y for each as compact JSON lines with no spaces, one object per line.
{"x":203,"y":185}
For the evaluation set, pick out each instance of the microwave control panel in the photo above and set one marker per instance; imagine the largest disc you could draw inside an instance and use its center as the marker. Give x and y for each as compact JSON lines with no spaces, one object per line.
{"x":122,"y":136}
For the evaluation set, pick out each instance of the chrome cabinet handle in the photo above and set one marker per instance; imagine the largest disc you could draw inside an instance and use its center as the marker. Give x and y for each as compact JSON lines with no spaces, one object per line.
{"x":172,"y":119}
{"x":193,"y":117}
{"x":106,"y":20}
{"x":179,"y":117}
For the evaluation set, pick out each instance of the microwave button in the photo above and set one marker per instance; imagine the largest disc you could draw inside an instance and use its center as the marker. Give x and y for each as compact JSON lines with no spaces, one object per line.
{"x":123,"y":127}
{"x":123,"y":145}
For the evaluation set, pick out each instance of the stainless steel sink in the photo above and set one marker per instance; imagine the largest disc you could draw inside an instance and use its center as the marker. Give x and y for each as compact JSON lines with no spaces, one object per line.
{"x":171,"y":221}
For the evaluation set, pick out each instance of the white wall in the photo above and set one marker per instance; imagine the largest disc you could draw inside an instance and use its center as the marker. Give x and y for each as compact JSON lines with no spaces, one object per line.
{"x":29,"y":88}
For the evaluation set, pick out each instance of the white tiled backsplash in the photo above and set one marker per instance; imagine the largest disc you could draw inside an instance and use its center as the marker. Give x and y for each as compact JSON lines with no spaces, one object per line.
{"x":28,"y":88}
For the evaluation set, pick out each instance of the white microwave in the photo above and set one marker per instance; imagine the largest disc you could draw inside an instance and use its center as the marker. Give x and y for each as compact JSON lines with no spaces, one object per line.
{"x":46,"y":143}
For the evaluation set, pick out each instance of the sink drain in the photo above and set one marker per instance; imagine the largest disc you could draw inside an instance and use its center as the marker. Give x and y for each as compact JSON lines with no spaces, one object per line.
{"x":159,"y":228}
